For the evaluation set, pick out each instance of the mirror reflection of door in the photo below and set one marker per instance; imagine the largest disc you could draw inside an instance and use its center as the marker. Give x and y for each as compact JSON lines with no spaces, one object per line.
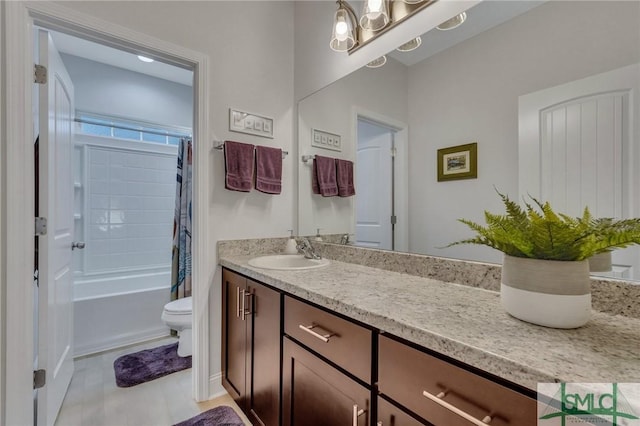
{"x":576,"y":150}
{"x":375,"y":208}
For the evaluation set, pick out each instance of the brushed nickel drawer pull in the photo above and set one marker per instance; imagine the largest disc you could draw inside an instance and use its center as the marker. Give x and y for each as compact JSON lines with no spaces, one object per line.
{"x":247,"y":311}
{"x":438,"y":400}
{"x":309,"y":329}
{"x":237,"y":302}
{"x":242,"y":304}
{"x":356,"y":413}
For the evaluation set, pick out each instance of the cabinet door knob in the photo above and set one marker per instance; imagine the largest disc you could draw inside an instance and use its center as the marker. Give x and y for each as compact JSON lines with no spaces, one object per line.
{"x":356,"y":413}
{"x":310,"y":329}
{"x":438,"y":400}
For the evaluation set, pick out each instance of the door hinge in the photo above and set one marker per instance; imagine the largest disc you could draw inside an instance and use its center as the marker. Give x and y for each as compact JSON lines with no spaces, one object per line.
{"x":41,"y":226}
{"x":40,"y":74}
{"x":39,"y":378}
{"x":394,"y":219}
{"x":394,"y":151}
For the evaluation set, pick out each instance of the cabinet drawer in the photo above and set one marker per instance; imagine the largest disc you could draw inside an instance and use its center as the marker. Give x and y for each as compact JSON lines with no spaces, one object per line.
{"x":407,"y":375}
{"x":389,"y":415}
{"x":339,"y":340}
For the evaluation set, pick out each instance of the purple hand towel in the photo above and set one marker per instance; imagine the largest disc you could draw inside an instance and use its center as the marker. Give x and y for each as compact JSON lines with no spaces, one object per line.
{"x":314,"y":179}
{"x":238,"y":161}
{"x":268,"y":170}
{"x":326,"y":175}
{"x":344,"y":176}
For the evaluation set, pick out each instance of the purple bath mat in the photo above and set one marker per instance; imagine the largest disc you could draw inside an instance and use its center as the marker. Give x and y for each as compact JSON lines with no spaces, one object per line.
{"x":219,"y":416}
{"x":150,"y":364}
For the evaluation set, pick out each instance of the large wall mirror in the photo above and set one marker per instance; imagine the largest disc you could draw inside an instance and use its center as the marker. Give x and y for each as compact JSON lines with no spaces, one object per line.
{"x":486,"y":82}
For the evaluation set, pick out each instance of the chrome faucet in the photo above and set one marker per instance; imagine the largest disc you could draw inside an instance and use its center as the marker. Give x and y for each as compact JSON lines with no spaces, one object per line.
{"x":304,"y":247}
{"x":344,"y":240}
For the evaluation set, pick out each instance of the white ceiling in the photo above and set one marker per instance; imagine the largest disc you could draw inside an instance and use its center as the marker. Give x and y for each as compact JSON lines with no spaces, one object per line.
{"x":487,"y":14}
{"x":118,"y":58}
{"x":482,"y":17}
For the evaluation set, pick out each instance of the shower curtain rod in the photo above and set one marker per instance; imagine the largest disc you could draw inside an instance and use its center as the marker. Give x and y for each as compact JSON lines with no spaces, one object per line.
{"x":134,"y":129}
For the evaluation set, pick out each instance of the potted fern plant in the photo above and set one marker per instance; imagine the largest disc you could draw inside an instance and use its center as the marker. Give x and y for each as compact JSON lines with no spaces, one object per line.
{"x":545,"y":273}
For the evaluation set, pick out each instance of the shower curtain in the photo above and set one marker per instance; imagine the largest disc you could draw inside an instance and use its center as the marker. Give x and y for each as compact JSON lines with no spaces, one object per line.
{"x":181,"y":253}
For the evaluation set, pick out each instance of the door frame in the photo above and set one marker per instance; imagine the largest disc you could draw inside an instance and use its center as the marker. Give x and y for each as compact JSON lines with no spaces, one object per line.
{"x":401,"y":170}
{"x":18,"y":189}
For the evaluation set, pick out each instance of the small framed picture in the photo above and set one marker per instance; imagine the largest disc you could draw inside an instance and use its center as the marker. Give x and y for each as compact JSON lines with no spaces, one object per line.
{"x":458,"y":162}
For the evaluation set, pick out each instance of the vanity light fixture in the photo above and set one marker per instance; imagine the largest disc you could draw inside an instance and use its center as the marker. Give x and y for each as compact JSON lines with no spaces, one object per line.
{"x":375,"y":15}
{"x":452,"y":23}
{"x":343,"y":36}
{"x":412,"y":44}
{"x":351,"y":31}
{"x":377,"y":63}
{"x":144,"y":58}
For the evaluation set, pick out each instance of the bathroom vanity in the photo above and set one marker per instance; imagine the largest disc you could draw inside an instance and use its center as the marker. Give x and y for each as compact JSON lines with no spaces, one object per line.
{"x":367,"y":346}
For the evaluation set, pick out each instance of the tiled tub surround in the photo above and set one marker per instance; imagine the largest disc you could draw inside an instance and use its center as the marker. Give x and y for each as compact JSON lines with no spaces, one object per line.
{"x":465,"y":323}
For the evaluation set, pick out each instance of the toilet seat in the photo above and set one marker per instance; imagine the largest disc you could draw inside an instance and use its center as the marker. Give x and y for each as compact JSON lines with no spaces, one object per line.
{"x":182,"y":306}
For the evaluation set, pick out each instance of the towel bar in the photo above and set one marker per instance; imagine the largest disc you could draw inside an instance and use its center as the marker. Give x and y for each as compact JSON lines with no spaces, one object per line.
{"x":220,"y":147}
{"x":306,"y":158}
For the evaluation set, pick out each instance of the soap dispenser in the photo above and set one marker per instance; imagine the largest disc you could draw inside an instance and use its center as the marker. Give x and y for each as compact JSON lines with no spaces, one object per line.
{"x":292,"y":245}
{"x":318,"y":237}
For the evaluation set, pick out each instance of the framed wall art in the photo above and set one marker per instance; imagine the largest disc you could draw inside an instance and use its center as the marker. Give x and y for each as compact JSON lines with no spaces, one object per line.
{"x":458,"y":162}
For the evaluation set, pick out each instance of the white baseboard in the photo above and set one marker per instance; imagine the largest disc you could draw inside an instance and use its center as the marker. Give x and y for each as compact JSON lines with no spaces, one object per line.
{"x":215,"y":386}
{"x":121,"y":340}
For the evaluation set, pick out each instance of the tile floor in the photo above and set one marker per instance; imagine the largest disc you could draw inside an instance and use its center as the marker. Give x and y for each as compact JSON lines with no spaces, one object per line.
{"x":93,"y":399}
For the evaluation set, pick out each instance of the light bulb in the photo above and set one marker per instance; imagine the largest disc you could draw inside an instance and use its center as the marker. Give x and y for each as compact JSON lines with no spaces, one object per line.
{"x":341,"y":30}
{"x":375,"y":5}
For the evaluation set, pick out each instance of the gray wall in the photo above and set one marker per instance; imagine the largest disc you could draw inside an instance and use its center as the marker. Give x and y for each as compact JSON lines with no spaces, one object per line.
{"x":469,"y":93}
{"x":104,"y":89}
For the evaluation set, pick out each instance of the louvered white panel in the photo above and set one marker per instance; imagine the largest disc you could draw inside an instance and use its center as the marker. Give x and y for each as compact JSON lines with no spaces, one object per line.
{"x":581,"y":149}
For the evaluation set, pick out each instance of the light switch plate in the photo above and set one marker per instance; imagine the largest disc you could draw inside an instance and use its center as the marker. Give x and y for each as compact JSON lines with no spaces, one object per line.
{"x":249,"y":123}
{"x":326,"y":140}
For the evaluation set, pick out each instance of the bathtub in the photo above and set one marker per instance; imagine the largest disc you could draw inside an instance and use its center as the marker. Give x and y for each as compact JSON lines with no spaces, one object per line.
{"x":110,"y":312}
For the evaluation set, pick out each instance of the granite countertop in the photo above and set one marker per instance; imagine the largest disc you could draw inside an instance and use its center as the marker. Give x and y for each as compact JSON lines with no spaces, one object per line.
{"x":465,"y":323}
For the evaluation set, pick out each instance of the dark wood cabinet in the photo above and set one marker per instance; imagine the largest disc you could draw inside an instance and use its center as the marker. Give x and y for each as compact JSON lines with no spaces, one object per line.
{"x":341,"y":341}
{"x":390,"y":415}
{"x":251,"y":347}
{"x":445,"y":394}
{"x":288,"y":362}
{"x":317,"y":394}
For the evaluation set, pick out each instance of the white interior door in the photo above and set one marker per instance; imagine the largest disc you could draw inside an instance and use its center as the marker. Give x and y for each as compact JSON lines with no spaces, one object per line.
{"x":55,"y":306}
{"x":576,"y":151}
{"x":374,"y":183}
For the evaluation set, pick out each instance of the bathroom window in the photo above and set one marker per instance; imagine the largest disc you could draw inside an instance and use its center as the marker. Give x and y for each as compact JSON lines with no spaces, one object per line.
{"x":98,"y":125}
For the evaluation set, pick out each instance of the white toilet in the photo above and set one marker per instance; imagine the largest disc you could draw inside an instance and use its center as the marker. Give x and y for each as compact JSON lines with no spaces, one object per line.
{"x":177,"y":315}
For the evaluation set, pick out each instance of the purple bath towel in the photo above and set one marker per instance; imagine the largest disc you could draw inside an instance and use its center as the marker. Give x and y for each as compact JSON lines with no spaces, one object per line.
{"x":344,"y":176}
{"x":219,"y":416}
{"x":238,"y":161}
{"x":325,"y":172}
{"x":269,"y":170}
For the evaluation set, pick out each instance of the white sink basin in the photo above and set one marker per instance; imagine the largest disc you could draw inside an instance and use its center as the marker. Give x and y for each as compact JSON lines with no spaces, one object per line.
{"x":288,"y":262}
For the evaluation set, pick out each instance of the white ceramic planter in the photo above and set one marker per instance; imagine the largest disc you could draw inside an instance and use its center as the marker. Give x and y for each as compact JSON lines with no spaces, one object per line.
{"x":546,"y":292}
{"x":600,"y":262}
